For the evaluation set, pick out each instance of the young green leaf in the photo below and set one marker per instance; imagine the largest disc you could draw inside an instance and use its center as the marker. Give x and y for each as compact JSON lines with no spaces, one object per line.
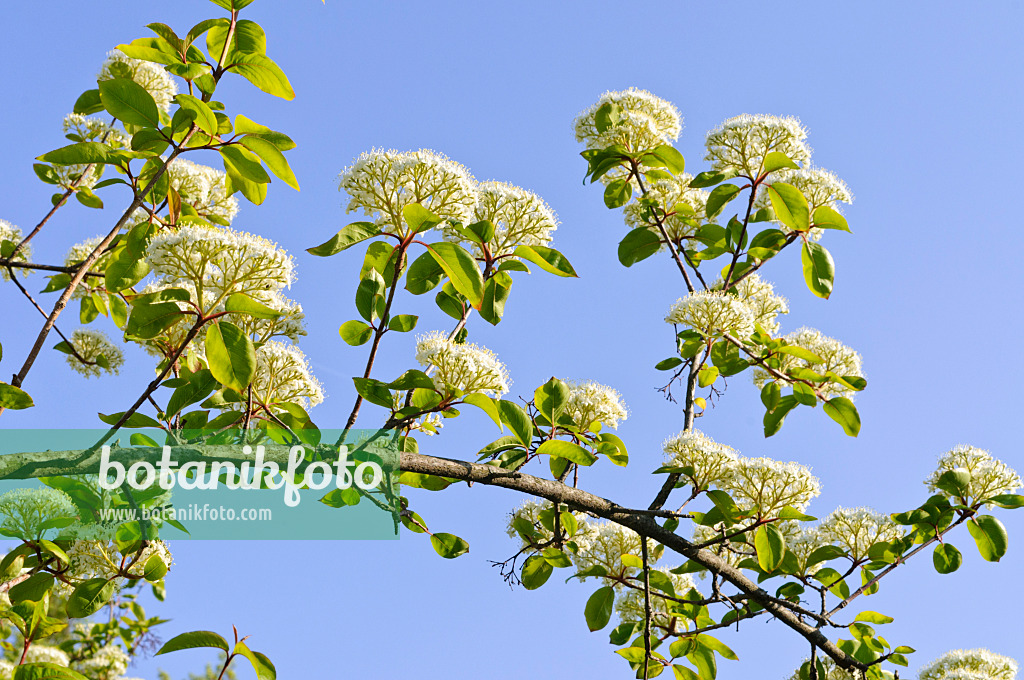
{"x":231,"y":355}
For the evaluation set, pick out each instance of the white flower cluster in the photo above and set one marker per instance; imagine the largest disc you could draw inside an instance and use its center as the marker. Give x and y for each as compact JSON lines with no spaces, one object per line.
{"x":589,"y":402}
{"x":769,"y":485}
{"x":204,"y":188}
{"x":94,"y":129}
{"x":520,"y":218}
{"x":531,"y":512}
{"x":836,"y":357}
{"x":461,"y":366}
{"x":76,"y":255}
{"x":46,"y":654}
{"x":713,"y":313}
{"x":605,"y":544}
{"x":667,"y":193}
{"x":802,"y":541}
{"x":107,"y":663}
{"x":283,"y":376}
{"x":710,"y":460}
{"x":645,"y":121}
{"x":24,"y":510}
{"x":989,"y":476}
{"x":857,"y":529}
{"x":630,"y":604}
{"x":149,"y":75}
{"x":742,"y":142}
{"x":761,"y":298}
{"x":970,"y":664}
{"x":91,"y":345}
{"x":223,"y":261}
{"x":9,"y":232}
{"x":101,"y":559}
{"x":381,"y":183}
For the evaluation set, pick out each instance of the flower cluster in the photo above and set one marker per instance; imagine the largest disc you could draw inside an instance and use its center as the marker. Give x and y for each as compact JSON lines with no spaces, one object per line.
{"x":857,"y":529}
{"x":970,"y":664}
{"x":101,"y":559}
{"x":223,"y":261}
{"x":770,"y":485}
{"x":520,"y":218}
{"x":82,"y":128}
{"x":9,"y":232}
{"x":465,"y":367}
{"x":589,"y":402}
{"x":835,"y":357}
{"x":46,"y":654}
{"x":630,"y":605}
{"x":710,"y":460}
{"x":24,"y":510}
{"x":283,"y":376}
{"x":290,"y":324}
{"x":97,"y":349}
{"x":667,"y":194}
{"x":802,"y":541}
{"x":713,"y":313}
{"x":761,"y":298}
{"x":605,"y":545}
{"x":741,"y":143}
{"x":645,"y":121}
{"x":381,"y":183}
{"x":149,"y":75}
{"x":989,"y":476}
{"x":107,"y":663}
{"x":204,"y":188}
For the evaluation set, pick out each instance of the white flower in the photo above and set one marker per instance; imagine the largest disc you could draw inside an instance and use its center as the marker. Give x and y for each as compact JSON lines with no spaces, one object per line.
{"x":289,"y":325}
{"x":107,"y":663}
{"x":94,"y":129}
{"x":970,"y":664}
{"x":666,"y":194}
{"x":710,"y":460}
{"x":630,"y":605}
{"x":742,"y":142}
{"x":645,"y":121}
{"x":802,"y":542}
{"x":78,"y":252}
{"x":9,"y":232}
{"x":204,"y":188}
{"x":761,"y":298}
{"x":223,"y":261}
{"x":381,"y":183}
{"x":149,"y":75}
{"x":283,"y":376}
{"x":95,"y":346}
{"x":836,"y":357}
{"x":605,"y":545}
{"x":820,"y":187}
{"x":101,"y":558}
{"x":24,"y":510}
{"x":857,"y":529}
{"x":461,"y":366}
{"x":590,"y":402}
{"x":46,"y":654}
{"x":713,"y":313}
{"x":6,"y":669}
{"x":520,"y":218}
{"x":989,"y":476}
{"x":770,"y":485}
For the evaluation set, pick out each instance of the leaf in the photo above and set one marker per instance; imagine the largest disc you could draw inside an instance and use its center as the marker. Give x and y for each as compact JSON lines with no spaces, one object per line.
{"x":245,"y":164}
{"x":231,"y":355}
{"x":776,"y":160}
{"x":639,"y":244}
{"x":989,"y":535}
{"x":873,"y":617}
{"x":617,"y":193}
{"x":134,"y":420}
{"x":124,"y":271}
{"x":495,"y":294}
{"x":199,"y":386}
{"x":14,"y":398}
{"x":517,"y":420}
{"x":76,"y":154}
{"x":842,"y":410}
{"x":402,"y":323}
{"x":548,"y":259}
{"x":260,"y":663}
{"x":33,"y":589}
{"x":419,"y":218}
{"x":819,"y":269}
{"x":248,"y":37}
{"x":556,"y":448}
{"x":240,"y":303}
{"x":790,"y":206}
{"x":1009,"y":501}
{"x":673,"y":160}
{"x":129,"y":102}
{"x":461,"y":269}
{"x":801,"y":353}
{"x":536,"y":572}
{"x":485,"y":404}
{"x":199,"y":111}
{"x":598,"y":611}
{"x":45,"y":671}
{"x":247,"y":126}
{"x":355,"y":332}
{"x":88,"y":102}
{"x":410,"y":380}
{"x":789,"y":512}
{"x":346,"y":238}
{"x":828,"y":218}
{"x":449,"y":546}
{"x":424,"y":274}
{"x":273,"y":158}
{"x":550,"y":398}
{"x":719,"y":197}
{"x":89,"y":597}
{"x":262,"y":72}
{"x":770,"y":545}
{"x":193,"y":640}
{"x":374,"y":391}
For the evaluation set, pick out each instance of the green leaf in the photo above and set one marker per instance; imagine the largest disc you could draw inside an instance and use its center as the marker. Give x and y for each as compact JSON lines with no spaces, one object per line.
{"x":129,"y":102}
{"x":124,"y":271}
{"x":14,"y":398}
{"x":598,"y":611}
{"x":260,"y":663}
{"x":199,"y":111}
{"x":874,"y":617}
{"x":273,"y":158}
{"x":461,"y":269}
{"x":88,"y":199}
{"x":548,"y":259}
{"x":262,"y":72}
{"x":33,"y":589}
{"x":719,"y":197}
{"x":154,"y":569}
{"x":193,"y":640}
{"x":707,"y":375}
{"x":517,"y":420}
{"x":374,"y":391}
{"x":770,"y":545}
{"x":639,"y":244}
{"x":231,"y":355}
{"x":617,"y":193}
{"x":828,"y":218}
{"x":449,"y":546}
{"x":719,"y":646}
{"x":370,"y":295}
{"x":819,"y":269}
{"x":485,"y":404}
{"x":134,"y":420}
{"x":355,"y":332}
{"x":536,"y":572}
{"x":842,"y":410}
{"x":244,"y":163}
{"x":424,"y":274}
{"x":673,"y":160}
{"x":556,"y":448}
{"x":710,"y":178}
{"x":776,"y":160}
{"x":88,"y":102}
{"x":989,"y":535}
{"x":45,"y":671}
{"x":410,"y":380}
{"x":1008,"y":500}
{"x":240,"y":303}
{"x":89,"y":597}
{"x":550,"y":398}
{"x":495,"y":294}
{"x":246,"y":126}
{"x":419,"y":218}
{"x":402,"y":323}
{"x":801,"y":353}
{"x":77,"y":154}
{"x":346,"y":238}
{"x":789,"y":512}
{"x":790,"y":206}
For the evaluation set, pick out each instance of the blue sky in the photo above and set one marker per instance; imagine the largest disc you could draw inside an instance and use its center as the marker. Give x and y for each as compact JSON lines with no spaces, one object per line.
{"x":916,"y":107}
